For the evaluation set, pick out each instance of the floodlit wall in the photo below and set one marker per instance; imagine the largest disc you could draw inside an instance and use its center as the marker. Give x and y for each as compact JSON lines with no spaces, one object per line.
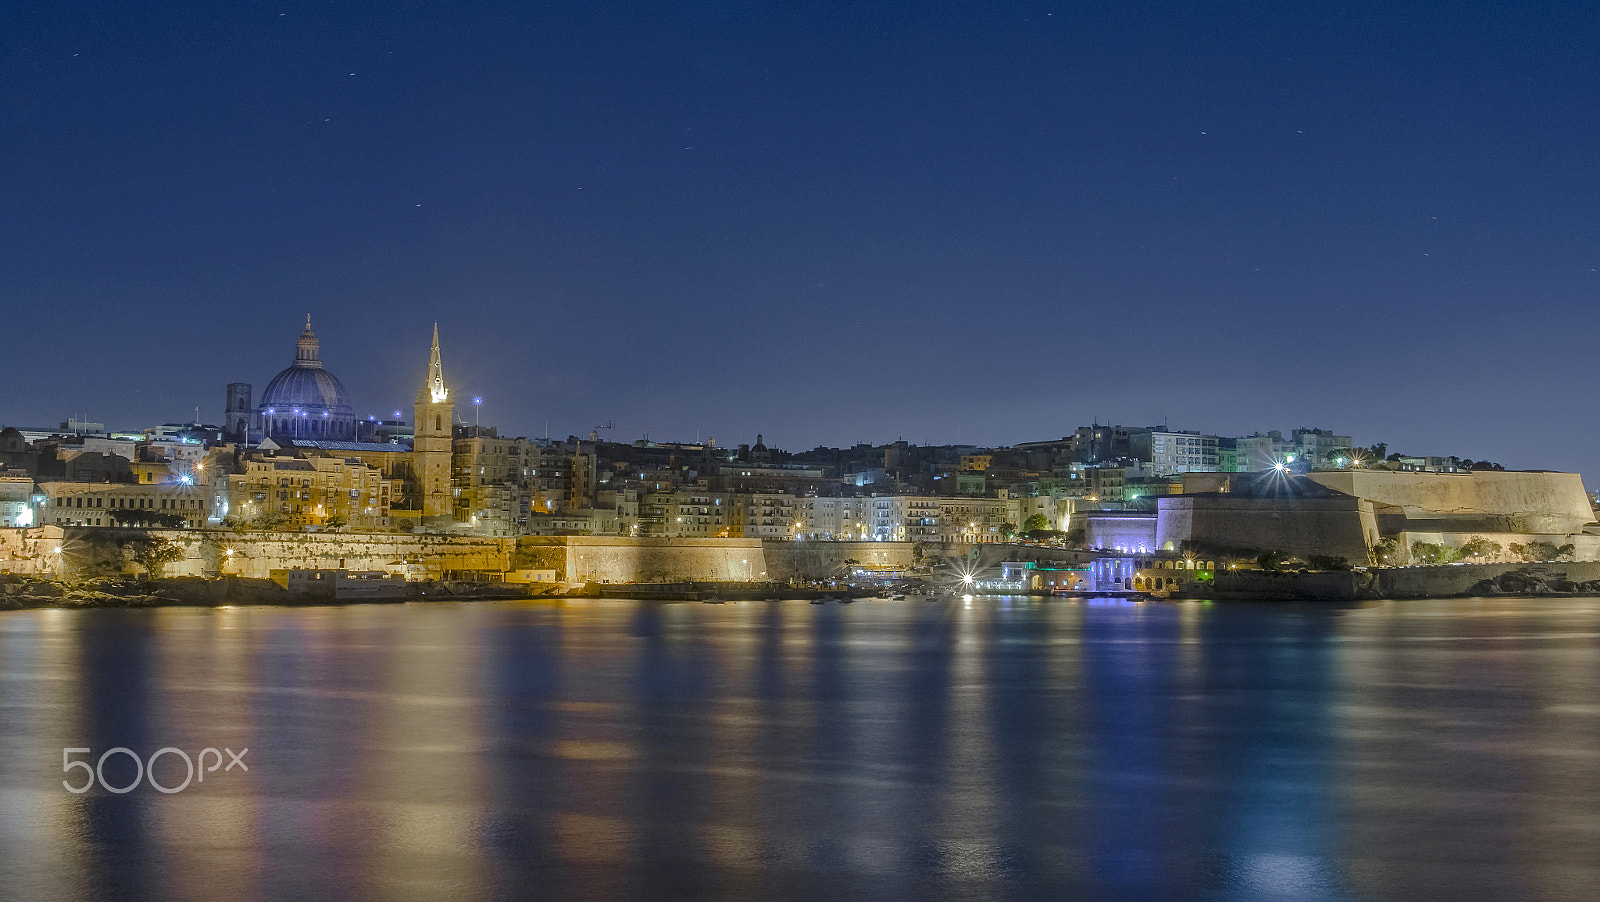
{"x":823,"y":560}
{"x":1335,"y":527}
{"x":1585,"y":547}
{"x":1120,"y":532}
{"x":1459,"y":579}
{"x":29,"y":551}
{"x":212,"y":552}
{"x":619,"y":559}
{"x":1528,"y":502}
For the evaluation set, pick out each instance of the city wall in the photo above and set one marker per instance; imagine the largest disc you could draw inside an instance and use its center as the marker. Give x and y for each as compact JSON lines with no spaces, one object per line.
{"x":1448,"y":581}
{"x":1335,"y":527}
{"x":617,"y":559}
{"x":1530,"y":502}
{"x":1119,"y":531}
{"x":1459,"y":579}
{"x":824,"y":560}
{"x":576,"y":559}
{"x":212,"y":552}
{"x":1585,"y":547}
{"x":30,"y":550}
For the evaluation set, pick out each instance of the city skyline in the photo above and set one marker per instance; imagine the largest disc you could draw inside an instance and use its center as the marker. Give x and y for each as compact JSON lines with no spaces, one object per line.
{"x":943,"y":223}
{"x":467,"y":410}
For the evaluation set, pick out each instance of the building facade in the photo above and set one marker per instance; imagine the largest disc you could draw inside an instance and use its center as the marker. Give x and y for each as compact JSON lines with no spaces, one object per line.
{"x":434,"y":443}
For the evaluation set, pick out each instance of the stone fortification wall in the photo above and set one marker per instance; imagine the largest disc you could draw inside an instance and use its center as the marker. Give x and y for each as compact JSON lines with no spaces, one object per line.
{"x":29,"y":550}
{"x":1338,"y":527}
{"x":1259,"y":584}
{"x":575,"y":559}
{"x":1585,"y":547}
{"x":1403,"y":582}
{"x":1117,"y":531}
{"x":822,"y":560}
{"x":1459,"y":579}
{"x":616,"y":559}
{"x":100,"y":551}
{"x":1528,"y":502}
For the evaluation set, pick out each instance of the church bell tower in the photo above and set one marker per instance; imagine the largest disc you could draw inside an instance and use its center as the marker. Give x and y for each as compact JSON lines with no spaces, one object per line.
{"x":435,"y":435}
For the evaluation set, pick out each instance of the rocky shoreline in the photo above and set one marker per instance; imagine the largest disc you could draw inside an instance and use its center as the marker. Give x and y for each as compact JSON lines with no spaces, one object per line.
{"x":1553,"y":578}
{"x":19,"y":592}
{"x":1474,"y":581}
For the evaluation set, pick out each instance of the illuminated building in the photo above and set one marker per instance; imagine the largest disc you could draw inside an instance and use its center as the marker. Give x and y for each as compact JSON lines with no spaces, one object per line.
{"x":1175,"y":452}
{"x":103,"y":504}
{"x":434,"y":440}
{"x":304,"y":401}
{"x":310,"y":491}
{"x":16,"y":498}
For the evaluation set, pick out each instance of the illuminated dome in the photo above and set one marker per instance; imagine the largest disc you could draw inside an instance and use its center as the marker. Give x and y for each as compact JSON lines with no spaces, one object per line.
{"x":306,"y":401}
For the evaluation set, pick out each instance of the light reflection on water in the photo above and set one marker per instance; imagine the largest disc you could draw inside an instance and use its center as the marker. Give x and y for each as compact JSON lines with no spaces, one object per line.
{"x":1002,"y":748}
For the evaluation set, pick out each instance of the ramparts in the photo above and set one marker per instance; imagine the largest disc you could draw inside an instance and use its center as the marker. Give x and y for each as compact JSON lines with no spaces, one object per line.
{"x":1535,"y":502}
{"x":1334,"y":526}
{"x":619,"y":559}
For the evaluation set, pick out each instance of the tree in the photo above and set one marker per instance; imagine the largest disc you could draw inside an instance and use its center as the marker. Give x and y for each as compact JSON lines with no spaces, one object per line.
{"x":1478,"y":546}
{"x":269,"y":520}
{"x":1271,"y":561}
{"x":1433,"y":553}
{"x":1009,"y":530}
{"x":335,"y":522}
{"x":1387,"y":552}
{"x":1378,"y":451}
{"x":1542,"y":551}
{"x":1036,"y":523}
{"x":154,"y":554}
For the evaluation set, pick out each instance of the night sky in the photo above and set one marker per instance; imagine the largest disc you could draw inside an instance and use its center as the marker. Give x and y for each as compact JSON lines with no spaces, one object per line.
{"x":982,"y":223}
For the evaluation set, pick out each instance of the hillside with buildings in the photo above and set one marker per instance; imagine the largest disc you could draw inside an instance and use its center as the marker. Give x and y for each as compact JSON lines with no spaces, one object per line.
{"x":297,"y":462}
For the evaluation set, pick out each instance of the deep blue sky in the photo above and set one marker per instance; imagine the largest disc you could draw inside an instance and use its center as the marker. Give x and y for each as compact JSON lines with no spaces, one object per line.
{"x":962,"y":222}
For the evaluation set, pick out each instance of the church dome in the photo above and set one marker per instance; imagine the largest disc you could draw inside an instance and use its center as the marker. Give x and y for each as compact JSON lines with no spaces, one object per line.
{"x":306,"y":401}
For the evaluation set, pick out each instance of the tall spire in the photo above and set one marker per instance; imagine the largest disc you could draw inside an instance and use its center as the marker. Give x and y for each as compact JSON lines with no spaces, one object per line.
{"x":436,"y":387}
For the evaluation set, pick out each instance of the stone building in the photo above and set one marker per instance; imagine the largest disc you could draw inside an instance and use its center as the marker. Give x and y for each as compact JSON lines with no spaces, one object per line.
{"x":104,"y":503}
{"x":310,"y":491}
{"x":16,"y":498}
{"x":434,"y":442}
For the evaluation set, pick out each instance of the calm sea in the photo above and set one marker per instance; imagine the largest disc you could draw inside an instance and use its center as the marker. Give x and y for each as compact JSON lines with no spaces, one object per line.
{"x":987,"y":749}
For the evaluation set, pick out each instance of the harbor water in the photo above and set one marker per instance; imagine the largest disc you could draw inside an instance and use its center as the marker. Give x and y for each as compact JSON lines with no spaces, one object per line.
{"x":987,"y":748}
